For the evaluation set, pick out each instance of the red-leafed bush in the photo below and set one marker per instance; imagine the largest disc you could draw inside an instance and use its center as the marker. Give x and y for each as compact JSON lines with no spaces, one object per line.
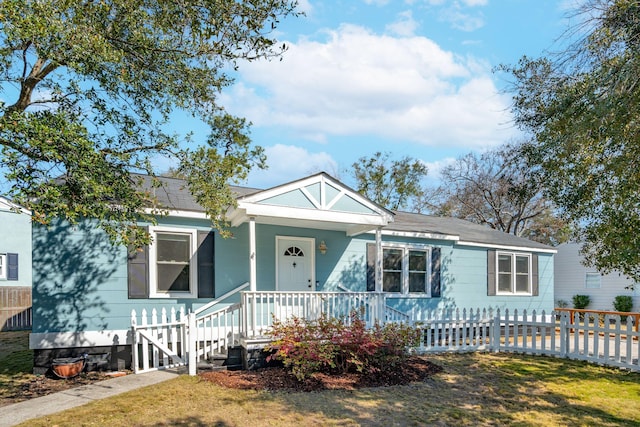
{"x":334,"y":345}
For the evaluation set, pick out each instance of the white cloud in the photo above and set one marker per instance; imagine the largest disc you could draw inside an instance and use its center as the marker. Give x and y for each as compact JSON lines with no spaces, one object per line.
{"x":287,"y":163}
{"x":356,"y":83}
{"x":461,"y":20}
{"x":436,"y":167}
{"x":376,"y":2}
{"x":305,"y":7}
{"x":404,"y":26}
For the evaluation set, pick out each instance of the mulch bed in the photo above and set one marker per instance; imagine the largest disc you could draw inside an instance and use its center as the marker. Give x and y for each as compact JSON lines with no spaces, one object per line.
{"x":417,"y":369}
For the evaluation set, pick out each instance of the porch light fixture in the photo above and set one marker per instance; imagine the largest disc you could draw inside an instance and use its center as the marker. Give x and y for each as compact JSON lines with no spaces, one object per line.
{"x":322,"y":247}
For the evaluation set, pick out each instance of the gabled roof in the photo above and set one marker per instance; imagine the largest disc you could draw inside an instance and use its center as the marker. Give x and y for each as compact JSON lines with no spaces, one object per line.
{"x":318,"y":201}
{"x":322,"y":202}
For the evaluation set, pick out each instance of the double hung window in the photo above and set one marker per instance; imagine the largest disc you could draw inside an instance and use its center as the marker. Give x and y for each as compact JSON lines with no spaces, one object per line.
{"x":172,"y":267}
{"x":405,"y":270}
{"x":514,"y":273}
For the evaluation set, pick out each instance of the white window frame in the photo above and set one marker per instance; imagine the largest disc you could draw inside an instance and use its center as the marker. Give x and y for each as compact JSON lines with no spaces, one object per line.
{"x":513,"y":256}
{"x":153,"y":263}
{"x":406,"y":248}
{"x":3,"y":266}
{"x":594,"y":275}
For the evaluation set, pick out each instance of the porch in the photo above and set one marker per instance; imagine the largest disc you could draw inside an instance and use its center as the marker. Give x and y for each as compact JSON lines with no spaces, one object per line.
{"x":165,"y":340}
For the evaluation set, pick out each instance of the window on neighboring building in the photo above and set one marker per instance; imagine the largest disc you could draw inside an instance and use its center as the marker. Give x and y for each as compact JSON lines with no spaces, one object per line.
{"x":3,"y":266}
{"x":592,"y":280}
{"x":514,"y":273}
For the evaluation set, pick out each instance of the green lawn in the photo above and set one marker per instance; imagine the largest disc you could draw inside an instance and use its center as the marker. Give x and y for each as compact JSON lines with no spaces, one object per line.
{"x":474,"y":389}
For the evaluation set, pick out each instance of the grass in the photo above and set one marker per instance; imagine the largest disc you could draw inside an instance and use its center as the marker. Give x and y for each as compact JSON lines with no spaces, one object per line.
{"x":475,"y":389}
{"x":16,"y":361}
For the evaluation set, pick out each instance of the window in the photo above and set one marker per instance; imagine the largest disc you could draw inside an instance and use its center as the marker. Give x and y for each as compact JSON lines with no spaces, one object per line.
{"x":592,"y":281}
{"x":514,"y":273}
{"x":179,"y":263}
{"x":173,"y":254}
{"x":172,"y":269}
{"x":8,"y":266}
{"x":404,"y":270}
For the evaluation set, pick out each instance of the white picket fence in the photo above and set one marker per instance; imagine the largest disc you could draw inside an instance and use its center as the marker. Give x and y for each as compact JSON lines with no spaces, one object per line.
{"x":163,"y":340}
{"x":159,"y":341}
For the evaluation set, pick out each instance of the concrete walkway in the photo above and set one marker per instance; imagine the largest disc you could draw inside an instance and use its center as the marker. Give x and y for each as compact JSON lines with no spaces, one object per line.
{"x":17,"y":413}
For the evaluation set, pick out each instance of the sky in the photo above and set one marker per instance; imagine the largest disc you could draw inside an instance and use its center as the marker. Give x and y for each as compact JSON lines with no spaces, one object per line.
{"x":411,"y":78}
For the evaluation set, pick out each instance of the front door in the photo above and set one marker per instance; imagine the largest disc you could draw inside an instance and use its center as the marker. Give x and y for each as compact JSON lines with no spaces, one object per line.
{"x":295,"y":264}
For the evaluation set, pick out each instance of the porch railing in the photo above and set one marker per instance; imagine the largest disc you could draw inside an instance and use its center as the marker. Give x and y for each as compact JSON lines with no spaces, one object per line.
{"x":260,"y":308}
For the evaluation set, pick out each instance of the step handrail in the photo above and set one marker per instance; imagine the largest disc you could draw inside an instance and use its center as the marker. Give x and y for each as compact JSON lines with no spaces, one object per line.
{"x":220,"y":298}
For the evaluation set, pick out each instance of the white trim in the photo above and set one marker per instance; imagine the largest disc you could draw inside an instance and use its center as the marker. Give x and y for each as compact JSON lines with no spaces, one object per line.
{"x":193,"y":263}
{"x":312,"y":257}
{"x":3,"y":267}
{"x":253,"y":275}
{"x":51,"y":340}
{"x":507,"y":248}
{"x":406,"y":248}
{"x":323,"y":179}
{"x":311,"y":214}
{"x":314,"y":202}
{"x":378,"y":263}
{"x":420,"y":235}
{"x":331,"y":203}
{"x":514,"y":272}
{"x":7,"y":205}
{"x":177,"y":213}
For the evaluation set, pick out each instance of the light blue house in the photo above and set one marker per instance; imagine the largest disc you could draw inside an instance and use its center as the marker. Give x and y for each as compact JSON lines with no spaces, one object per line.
{"x":314,"y":235}
{"x":15,"y":266}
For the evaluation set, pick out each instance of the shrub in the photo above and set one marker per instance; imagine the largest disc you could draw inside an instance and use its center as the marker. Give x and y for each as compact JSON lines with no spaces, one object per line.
{"x":623,"y":303}
{"x":562,"y":303}
{"x":332,"y":345}
{"x":581,"y":301}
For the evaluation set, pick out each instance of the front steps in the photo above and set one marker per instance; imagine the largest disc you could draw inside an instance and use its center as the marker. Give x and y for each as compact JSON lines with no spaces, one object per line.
{"x":232,"y":361}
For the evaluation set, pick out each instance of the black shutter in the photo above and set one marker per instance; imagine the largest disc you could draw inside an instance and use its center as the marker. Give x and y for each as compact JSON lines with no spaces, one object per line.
{"x":436,"y":268}
{"x":12,"y":266}
{"x":371,"y":267}
{"x":206,"y":266}
{"x":138,"y":272}
{"x":534,"y":275}
{"x":491,"y":272}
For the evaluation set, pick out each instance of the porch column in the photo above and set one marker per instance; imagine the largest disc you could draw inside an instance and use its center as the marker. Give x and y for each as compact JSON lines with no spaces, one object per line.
{"x":379,"y":259}
{"x":252,"y":255}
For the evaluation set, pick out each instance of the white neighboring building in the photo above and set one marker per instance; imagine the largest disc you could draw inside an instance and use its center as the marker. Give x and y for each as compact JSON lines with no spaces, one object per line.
{"x":572,"y":277}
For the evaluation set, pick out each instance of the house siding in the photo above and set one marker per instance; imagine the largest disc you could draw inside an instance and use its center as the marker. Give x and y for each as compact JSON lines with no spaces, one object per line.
{"x":80,"y":281}
{"x":16,"y":238}
{"x":570,"y":276}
